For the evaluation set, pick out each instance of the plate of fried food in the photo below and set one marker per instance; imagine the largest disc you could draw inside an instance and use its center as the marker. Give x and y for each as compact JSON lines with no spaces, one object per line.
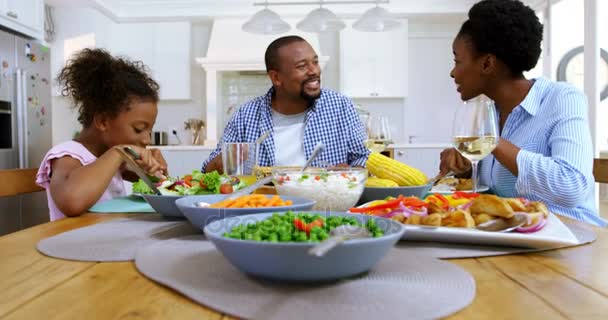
{"x":449,"y":185}
{"x":455,"y":218}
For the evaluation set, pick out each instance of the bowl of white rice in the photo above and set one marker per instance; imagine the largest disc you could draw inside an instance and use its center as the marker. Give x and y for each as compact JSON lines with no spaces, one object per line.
{"x":333,"y":189}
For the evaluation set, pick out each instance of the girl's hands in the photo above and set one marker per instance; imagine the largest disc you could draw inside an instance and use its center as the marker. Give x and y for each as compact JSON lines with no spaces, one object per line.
{"x":151,"y":161}
{"x":451,"y":159}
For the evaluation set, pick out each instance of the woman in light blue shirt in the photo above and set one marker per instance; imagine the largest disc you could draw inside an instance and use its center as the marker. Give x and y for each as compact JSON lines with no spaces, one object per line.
{"x":545,"y":150}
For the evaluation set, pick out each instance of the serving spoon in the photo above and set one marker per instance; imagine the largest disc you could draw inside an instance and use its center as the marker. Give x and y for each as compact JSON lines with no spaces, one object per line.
{"x":338,"y":235}
{"x":318,"y":149}
{"x":504,"y":225}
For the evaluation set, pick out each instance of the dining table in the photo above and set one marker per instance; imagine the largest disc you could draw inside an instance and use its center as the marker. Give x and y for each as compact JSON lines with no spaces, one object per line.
{"x":569,"y":283}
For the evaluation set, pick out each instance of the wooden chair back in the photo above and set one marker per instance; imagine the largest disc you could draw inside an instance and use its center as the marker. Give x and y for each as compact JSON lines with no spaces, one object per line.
{"x":600,"y":170}
{"x":18,"y":181}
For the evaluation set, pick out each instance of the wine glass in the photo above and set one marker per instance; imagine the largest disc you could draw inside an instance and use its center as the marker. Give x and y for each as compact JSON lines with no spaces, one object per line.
{"x":378,"y":133}
{"x":475,"y":132}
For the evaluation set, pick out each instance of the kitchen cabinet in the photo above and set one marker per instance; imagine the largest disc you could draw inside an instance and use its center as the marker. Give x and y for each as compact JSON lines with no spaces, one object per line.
{"x":374,"y":64}
{"x":424,"y":157}
{"x":164,"y":47}
{"x":181,"y":160}
{"x":23,"y":16}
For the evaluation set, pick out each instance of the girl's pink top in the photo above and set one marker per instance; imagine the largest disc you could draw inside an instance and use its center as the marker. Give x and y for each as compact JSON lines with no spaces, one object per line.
{"x":79,"y":152}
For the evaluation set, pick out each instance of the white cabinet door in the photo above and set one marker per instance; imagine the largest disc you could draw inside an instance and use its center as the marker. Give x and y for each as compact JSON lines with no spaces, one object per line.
{"x":164,"y":47}
{"x":424,"y":159}
{"x":24,"y":16}
{"x":374,"y":64}
{"x":182,"y":162}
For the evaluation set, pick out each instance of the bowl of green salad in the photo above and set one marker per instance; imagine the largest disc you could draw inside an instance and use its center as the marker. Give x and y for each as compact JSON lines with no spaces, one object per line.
{"x":197,"y":183}
{"x":275,"y":245}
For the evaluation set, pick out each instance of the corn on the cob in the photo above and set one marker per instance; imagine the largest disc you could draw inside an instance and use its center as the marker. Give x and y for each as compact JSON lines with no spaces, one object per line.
{"x":379,"y":182}
{"x":384,"y":167}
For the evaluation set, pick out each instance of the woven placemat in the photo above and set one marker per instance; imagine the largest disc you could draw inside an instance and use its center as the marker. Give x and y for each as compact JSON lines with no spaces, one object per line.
{"x":401,"y":286}
{"x":454,"y":251}
{"x":115,"y":240}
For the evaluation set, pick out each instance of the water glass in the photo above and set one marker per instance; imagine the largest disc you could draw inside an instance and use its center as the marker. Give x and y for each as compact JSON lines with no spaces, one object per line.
{"x":239,"y":159}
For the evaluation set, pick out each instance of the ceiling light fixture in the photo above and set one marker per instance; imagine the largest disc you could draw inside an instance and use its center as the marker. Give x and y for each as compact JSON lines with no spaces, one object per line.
{"x":376,"y":19}
{"x":266,"y":21}
{"x":321,"y":20}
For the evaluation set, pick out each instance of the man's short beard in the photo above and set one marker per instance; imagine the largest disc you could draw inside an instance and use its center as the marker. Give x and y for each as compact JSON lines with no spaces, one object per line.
{"x":309,"y":98}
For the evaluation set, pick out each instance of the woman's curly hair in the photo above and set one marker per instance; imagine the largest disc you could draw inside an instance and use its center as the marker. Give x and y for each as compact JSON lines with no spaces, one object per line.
{"x":100,"y":83}
{"x":507,"y":29}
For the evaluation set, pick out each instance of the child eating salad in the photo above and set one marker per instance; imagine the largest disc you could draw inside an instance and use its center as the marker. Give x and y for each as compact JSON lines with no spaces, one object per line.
{"x":117,"y":107}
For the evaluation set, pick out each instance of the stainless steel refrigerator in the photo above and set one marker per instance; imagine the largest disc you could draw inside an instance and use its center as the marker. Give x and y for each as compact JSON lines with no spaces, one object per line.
{"x":25,"y":123}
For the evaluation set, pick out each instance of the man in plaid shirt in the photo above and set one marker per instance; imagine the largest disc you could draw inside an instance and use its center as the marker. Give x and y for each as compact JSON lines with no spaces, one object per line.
{"x":298,"y":113}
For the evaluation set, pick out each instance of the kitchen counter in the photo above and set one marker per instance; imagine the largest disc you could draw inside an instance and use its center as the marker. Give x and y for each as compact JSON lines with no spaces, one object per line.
{"x":184,"y":147}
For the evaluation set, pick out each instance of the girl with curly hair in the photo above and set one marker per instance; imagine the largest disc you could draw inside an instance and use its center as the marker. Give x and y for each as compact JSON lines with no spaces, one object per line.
{"x":117,"y":106}
{"x":545,"y":151}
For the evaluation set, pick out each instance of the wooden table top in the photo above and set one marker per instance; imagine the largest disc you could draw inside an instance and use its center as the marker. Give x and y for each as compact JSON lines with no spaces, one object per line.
{"x":560,"y":284}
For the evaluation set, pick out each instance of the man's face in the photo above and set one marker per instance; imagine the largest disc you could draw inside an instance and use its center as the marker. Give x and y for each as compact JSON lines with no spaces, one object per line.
{"x":299,"y":73}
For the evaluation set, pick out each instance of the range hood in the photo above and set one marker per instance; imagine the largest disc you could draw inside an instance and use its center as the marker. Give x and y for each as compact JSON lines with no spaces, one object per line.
{"x":232,"y":49}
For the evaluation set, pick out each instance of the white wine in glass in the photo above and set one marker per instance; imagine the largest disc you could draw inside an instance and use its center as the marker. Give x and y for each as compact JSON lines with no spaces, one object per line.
{"x":475,"y":132}
{"x":378,"y":134}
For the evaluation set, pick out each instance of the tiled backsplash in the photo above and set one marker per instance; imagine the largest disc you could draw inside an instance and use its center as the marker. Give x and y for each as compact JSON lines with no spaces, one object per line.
{"x":237,"y":88}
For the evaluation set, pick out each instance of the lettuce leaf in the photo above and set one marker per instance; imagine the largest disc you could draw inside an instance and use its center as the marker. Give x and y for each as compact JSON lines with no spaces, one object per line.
{"x":213,"y":181}
{"x":141,"y":187}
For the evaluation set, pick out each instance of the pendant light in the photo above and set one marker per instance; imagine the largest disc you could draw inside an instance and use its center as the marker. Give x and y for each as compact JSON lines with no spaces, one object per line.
{"x":321,"y":20}
{"x":266,"y":21}
{"x":376,"y":19}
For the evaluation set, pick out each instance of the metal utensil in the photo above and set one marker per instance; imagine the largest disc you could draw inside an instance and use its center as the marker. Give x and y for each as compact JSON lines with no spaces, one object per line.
{"x":440,"y":176}
{"x":262,"y":137}
{"x":338,"y":235}
{"x":504,"y":225}
{"x":247,"y":190}
{"x":318,"y":149}
{"x":130,"y":155}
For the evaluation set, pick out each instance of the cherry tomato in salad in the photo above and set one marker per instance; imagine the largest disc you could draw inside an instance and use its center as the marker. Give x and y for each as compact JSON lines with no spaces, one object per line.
{"x":188,"y":180}
{"x":226,"y":188}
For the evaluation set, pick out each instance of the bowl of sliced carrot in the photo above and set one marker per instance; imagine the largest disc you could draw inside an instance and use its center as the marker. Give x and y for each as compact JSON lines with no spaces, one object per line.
{"x":219,"y":207}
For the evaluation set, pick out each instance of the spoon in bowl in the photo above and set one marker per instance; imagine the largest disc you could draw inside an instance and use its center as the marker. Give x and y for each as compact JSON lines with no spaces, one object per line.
{"x":318,"y":149}
{"x":338,"y":235}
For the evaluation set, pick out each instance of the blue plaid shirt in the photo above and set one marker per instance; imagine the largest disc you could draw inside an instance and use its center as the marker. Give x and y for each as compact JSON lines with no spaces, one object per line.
{"x":332,"y":119}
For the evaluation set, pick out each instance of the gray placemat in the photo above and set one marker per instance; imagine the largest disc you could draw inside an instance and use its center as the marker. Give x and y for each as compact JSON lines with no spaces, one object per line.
{"x":114,"y":240}
{"x":454,"y":251}
{"x":401,"y":286}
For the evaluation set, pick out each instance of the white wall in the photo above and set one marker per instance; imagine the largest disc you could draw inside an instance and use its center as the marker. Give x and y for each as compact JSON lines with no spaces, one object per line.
{"x":568,"y":32}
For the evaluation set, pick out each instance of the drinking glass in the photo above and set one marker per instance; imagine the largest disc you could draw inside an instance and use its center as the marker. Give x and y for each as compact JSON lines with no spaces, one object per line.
{"x":378,"y":133}
{"x":239,"y":160}
{"x":475,"y":132}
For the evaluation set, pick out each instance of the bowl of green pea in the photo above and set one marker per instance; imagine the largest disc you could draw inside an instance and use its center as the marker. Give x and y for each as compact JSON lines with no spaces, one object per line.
{"x":275,"y":245}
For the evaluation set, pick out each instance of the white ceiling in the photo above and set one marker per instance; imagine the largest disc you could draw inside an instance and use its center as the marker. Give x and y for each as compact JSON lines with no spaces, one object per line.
{"x":124,"y":10}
